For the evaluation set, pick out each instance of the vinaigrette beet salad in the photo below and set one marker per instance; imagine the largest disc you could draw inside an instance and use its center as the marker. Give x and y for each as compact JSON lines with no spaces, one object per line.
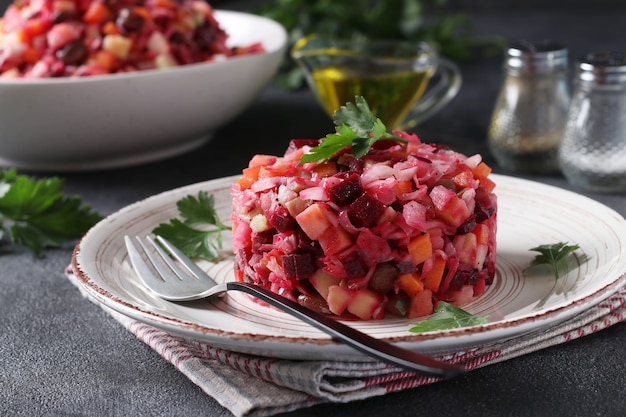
{"x":394,"y":231}
{"x":65,"y":38}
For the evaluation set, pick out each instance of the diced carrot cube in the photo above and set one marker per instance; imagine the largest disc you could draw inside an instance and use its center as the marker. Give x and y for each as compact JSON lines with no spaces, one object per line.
{"x":432,"y":279}
{"x":244,"y":183}
{"x":32,"y":55}
{"x":97,"y":13}
{"x":403,"y":187}
{"x":463,"y":179}
{"x":482,"y":170}
{"x":250,"y":175}
{"x":420,"y":248}
{"x":487,"y":184}
{"x":110,"y":28}
{"x":107,"y":60}
{"x":410,"y":283}
{"x":143,"y":12}
{"x":260,"y":159}
{"x":33,"y":28}
{"x":166,"y":4}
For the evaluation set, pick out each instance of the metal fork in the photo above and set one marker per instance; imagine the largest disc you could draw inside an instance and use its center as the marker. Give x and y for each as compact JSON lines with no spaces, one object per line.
{"x":174,"y":284}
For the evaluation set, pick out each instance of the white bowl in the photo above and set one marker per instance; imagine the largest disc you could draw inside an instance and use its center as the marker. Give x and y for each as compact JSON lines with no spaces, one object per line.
{"x":90,"y":123}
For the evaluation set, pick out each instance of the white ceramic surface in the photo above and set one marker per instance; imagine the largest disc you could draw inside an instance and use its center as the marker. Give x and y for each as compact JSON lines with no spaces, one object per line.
{"x":530,"y":214}
{"x":72,"y":124}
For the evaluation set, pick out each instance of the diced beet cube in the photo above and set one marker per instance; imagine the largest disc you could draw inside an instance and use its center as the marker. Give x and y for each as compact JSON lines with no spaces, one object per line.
{"x":485,"y":205}
{"x":298,"y":265}
{"x":281,"y":219}
{"x":406,"y":267}
{"x":462,"y":277}
{"x":350,"y":163}
{"x":468,"y":225}
{"x":383,"y":144}
{"x":260,"y":239}
{"x":354,"y":268}
{"x":296,"y":144}
{"x":365,"y":210}
{"x":491,"y":272}
{"x":347,"y":190}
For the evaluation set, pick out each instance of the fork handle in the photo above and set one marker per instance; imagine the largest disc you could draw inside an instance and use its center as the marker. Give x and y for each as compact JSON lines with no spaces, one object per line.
{"x":364,"y":343}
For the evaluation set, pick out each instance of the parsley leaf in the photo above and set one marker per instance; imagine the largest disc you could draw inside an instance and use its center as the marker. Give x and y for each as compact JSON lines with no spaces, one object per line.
{"x":38,"y":215}
{"x":551,"y":255}
{"x":356,"y":127}
{"x":447,"y":316}
{"x":198,"y":234}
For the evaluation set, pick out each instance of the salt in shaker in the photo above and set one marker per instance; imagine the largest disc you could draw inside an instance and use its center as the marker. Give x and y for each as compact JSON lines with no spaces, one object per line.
{"x":531,"y":109}
{"x":593,"y":150}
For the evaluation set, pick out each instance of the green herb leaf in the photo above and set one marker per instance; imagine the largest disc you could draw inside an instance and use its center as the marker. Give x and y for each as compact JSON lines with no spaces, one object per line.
{"x":447,"y":316}
{"x":37,"y":213}
{"x":552,"y":255}
{"x":357,"y":127}
{"x":198,"y":234}
{"x":358,"y":117}
{"x":332,"y":144}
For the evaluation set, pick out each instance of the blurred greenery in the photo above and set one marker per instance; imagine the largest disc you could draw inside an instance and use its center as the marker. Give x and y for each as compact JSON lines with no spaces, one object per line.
{"x":413,"y":20}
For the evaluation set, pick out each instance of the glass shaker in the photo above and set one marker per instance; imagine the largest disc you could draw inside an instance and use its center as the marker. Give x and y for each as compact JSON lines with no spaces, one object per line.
{"x":531,"y":109}
{"x":593,"y":150}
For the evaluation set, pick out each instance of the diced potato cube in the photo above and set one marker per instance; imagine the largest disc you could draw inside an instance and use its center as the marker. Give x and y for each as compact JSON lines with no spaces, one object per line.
{"x":118,"y":45}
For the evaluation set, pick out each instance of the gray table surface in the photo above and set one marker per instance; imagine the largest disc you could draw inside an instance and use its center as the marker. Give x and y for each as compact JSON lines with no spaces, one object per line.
{"x":60,"y":355}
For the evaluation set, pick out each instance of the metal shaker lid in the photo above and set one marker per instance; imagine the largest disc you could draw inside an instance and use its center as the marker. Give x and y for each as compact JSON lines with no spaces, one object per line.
{"x":603,"y":68}
{"x":538,"y":56}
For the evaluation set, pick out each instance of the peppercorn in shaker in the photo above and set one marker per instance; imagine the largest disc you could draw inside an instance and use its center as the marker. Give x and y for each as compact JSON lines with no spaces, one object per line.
{"x":531,"y":109}
{"x":593,"y":150}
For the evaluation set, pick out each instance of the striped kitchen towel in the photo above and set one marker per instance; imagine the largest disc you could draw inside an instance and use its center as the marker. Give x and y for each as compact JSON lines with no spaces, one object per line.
{"x":285,"y":385}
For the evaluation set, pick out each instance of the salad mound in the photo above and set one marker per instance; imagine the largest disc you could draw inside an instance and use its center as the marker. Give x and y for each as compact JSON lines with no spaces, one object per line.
{"x":65,"y":38}
{"x":393,"y":231}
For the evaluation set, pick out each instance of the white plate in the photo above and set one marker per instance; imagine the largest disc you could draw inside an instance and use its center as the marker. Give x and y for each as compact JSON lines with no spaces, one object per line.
{"x":529,"y":214}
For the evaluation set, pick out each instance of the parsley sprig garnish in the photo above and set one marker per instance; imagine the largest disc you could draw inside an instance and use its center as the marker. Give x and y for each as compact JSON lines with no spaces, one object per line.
{"x":356,"y":127}
{"x":552,"y":255}
{"x":199,"y":233}
{"x":447,"y":316}
{"x":37,"y":215}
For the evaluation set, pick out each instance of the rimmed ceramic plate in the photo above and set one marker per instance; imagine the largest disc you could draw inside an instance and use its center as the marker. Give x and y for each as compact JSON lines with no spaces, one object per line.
{"x":530,"y":214}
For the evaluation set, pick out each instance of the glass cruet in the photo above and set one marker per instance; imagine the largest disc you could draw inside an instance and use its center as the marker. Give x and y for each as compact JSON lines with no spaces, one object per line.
{"x":531,"y":109}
